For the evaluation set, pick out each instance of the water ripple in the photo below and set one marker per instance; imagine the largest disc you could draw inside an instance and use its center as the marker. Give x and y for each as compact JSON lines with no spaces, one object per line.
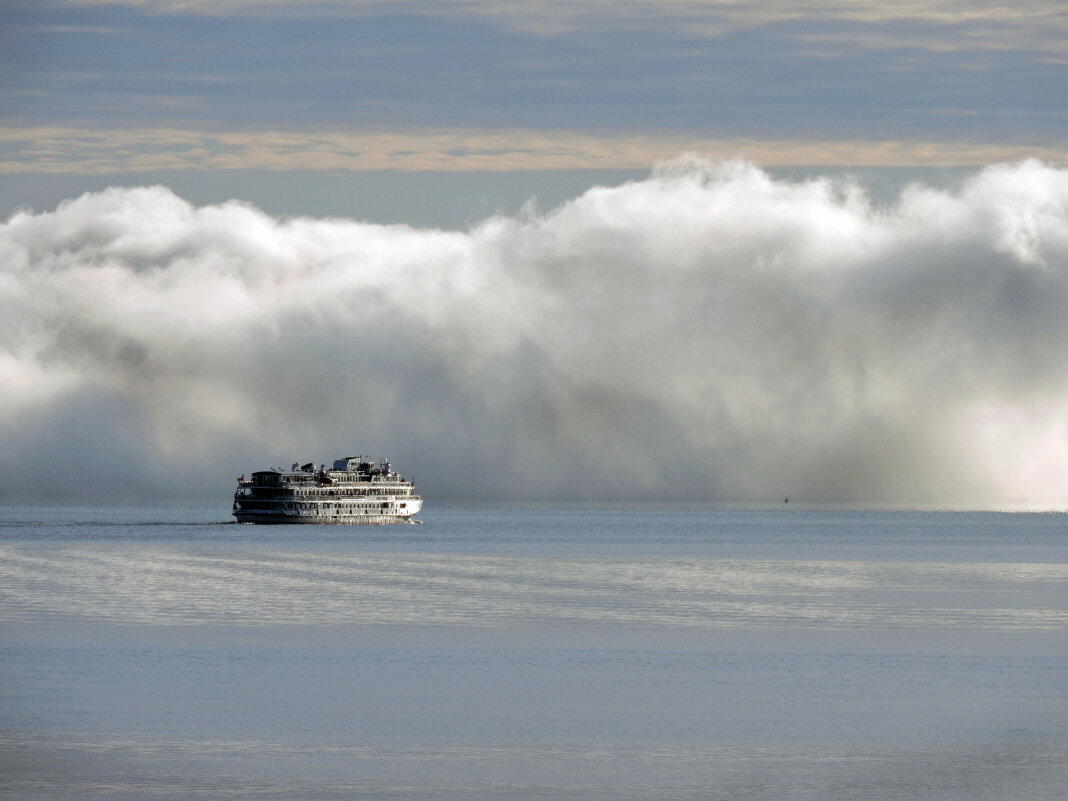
{"x":169,"y":585}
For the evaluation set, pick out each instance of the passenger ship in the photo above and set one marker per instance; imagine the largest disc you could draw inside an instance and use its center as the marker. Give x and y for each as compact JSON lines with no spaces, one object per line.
{"x":355,"y":492}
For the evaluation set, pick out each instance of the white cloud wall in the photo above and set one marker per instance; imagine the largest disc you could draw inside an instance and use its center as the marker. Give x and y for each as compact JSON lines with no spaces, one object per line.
{"x":706,"y":333}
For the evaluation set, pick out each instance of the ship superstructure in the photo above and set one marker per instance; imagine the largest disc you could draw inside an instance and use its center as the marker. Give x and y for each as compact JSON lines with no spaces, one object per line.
{"x":355,"y":491}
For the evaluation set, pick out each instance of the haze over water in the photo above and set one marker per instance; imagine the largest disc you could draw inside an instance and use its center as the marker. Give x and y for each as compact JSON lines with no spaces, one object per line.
{"x":534,"y":652}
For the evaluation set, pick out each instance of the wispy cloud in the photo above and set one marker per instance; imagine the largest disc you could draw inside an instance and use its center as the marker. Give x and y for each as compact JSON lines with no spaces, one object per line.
{"x":87,"y":151}
{"x":680,"y":76}
{"x":708,"y":333}
{"x":1034,"y":23}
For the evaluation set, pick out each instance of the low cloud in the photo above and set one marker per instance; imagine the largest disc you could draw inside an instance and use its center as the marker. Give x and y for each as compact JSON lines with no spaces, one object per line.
{"x":708,"y":333}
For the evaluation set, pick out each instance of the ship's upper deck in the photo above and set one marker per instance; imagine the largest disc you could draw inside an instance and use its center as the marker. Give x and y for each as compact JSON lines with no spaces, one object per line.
{"x":350,"y":470}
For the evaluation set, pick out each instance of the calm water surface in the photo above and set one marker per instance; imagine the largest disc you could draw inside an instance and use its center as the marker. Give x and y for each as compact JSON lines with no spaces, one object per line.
{"x":534,"y":653}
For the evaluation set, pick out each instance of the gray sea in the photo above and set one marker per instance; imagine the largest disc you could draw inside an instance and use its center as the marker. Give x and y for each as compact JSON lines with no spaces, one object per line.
{"x":534,"y":653}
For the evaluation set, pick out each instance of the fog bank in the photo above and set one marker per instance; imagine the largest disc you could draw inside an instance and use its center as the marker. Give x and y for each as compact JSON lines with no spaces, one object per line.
{"x":707,"y":333}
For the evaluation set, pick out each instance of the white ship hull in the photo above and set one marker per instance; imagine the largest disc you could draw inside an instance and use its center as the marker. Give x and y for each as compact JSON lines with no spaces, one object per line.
{"x":344,"y":517}
{"x":354,"y":520}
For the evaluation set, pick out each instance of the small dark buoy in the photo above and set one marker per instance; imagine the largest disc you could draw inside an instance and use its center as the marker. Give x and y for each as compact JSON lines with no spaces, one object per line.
{"x":787,"y":500}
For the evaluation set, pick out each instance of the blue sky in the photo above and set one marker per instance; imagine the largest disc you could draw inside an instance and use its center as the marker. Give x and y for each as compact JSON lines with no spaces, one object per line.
{"x":95,"y":87}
